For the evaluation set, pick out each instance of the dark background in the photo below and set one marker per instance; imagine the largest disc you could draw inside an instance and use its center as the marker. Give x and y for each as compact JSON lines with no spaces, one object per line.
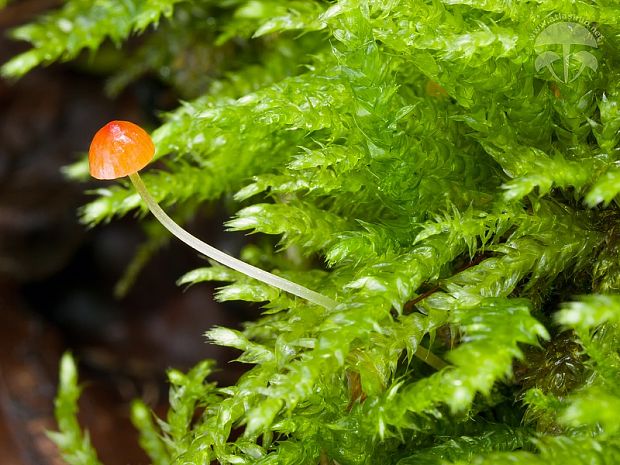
{"x":57,"y":277}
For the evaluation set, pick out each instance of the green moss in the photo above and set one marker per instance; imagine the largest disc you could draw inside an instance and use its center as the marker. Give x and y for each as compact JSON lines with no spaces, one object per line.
{"x":456,"y":194}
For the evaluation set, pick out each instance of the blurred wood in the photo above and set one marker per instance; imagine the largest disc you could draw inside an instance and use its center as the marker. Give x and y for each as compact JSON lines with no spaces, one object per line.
{"x":27,"y":384}
{"x":28,"y":379}
{"x":21,"y":11}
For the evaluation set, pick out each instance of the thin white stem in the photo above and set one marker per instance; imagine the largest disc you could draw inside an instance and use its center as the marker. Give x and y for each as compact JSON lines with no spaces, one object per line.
{"x":249,"y":270}
{"x":225,"y":259}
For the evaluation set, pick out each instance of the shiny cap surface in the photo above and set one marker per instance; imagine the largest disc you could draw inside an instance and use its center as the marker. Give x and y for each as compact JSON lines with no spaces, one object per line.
{"x":118,"y":149}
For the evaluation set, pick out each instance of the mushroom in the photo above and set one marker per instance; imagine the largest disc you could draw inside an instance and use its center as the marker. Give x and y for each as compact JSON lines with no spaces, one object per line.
{"x":122,"y":148}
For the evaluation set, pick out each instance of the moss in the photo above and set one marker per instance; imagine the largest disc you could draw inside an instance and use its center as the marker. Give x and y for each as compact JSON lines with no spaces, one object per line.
{"x":448,"y":179}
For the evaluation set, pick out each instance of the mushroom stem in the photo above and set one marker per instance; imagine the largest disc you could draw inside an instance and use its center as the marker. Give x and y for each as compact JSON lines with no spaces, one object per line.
{"x":225,"y":259}
{"x":284,"y":284}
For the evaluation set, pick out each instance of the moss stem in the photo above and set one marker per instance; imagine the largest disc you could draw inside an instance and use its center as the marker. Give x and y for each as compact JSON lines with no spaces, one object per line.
{"x":430,"y":358}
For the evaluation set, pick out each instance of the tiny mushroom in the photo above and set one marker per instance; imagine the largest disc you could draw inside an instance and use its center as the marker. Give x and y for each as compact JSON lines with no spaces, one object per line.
{"x":121,"y":148}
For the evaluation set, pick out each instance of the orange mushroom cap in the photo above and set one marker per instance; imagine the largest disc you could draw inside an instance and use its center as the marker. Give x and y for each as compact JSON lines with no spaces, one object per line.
{"x":118,"y":149}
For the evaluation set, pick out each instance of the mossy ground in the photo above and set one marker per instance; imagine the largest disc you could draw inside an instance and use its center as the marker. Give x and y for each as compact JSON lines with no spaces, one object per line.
{"x":419,"y":167}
